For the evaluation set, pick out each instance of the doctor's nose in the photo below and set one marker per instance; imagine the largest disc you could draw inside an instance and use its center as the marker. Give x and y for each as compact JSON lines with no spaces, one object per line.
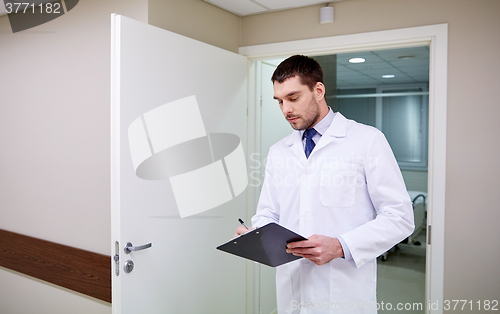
{"x":286,"y":108}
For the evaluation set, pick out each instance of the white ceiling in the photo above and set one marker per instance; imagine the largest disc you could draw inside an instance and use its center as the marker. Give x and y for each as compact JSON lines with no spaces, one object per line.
{"x":238,"y":7}
{"x":248,"y":7}
{"x":409,"y":65}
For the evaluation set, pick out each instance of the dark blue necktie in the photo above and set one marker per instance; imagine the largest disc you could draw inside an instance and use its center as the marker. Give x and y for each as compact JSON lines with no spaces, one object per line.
{"x":308,"y":134}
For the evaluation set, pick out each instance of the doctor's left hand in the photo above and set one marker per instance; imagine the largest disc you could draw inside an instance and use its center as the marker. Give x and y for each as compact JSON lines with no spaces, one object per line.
{"x":318,"y":249}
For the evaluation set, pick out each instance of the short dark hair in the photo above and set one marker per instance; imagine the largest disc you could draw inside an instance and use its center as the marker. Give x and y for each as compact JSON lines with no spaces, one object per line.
{"x":307,"y":69}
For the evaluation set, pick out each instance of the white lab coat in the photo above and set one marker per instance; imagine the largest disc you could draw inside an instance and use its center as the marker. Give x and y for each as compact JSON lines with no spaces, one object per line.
{"x":350,"y":186}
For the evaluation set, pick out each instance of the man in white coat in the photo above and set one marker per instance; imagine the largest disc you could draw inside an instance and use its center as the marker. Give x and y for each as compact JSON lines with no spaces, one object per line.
{"x":336,"y":182}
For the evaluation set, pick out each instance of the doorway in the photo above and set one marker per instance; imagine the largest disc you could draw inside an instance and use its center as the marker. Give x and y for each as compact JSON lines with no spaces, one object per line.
{"x":435,"y":38}
{"x":387,"y":89}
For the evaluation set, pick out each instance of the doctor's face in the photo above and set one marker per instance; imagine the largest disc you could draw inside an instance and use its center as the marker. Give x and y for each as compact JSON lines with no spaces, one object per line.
{"x":299,"y":104}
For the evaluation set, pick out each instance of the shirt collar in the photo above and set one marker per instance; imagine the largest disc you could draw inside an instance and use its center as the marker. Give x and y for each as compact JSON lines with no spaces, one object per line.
{"x":323,"y":124}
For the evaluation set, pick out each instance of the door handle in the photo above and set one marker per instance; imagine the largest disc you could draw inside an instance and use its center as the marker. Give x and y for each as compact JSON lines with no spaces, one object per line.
{"x":130,"y":248}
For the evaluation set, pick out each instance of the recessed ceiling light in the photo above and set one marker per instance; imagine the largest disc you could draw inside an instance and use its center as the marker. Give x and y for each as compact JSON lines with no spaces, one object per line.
{"x":388,"y":76}
{"x":357,"y":60}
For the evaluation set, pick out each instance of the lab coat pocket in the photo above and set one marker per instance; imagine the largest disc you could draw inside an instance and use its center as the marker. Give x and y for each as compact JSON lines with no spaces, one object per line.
{"x":338,"y":186}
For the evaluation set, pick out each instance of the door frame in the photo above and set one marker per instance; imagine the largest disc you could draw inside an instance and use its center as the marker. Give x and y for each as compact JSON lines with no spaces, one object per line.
{"x":434,"y":36}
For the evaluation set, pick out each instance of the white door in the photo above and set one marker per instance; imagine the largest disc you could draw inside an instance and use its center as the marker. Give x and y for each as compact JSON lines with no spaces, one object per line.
{"x":168,"y":89}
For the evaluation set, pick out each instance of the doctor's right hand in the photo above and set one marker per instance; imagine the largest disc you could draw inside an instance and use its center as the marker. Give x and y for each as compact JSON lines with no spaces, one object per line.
{"x":241,"y":230}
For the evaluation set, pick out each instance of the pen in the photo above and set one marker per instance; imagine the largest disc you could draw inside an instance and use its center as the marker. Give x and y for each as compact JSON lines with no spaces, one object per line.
{"x":242,"y":223}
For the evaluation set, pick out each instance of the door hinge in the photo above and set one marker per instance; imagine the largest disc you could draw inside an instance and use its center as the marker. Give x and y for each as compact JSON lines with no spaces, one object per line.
{"x":429,"y":234}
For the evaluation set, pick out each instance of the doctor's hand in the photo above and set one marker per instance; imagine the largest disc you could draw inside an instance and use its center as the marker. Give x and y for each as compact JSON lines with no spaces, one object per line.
{"x":241,"y":230}
{"x":318,"y":249}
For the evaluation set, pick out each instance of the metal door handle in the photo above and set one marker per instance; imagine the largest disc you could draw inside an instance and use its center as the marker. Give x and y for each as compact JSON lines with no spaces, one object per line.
{"x":129,"y":247}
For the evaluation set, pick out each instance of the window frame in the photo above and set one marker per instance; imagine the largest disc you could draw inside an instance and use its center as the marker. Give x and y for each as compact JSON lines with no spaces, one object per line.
{"x":406,"y":165}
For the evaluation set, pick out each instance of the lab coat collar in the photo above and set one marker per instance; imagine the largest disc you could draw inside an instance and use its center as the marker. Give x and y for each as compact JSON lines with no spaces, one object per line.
{"x":295,"y":143}
{"x":338,"y":129}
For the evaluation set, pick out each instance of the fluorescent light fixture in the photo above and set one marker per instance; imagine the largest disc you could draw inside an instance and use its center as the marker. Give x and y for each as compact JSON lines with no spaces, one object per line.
{"x":357,"y":60}
{"x":406,"y":57}
{"x":388,"y":76}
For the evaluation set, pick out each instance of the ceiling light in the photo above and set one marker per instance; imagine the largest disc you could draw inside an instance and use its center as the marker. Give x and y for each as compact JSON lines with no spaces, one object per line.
{"x":357,"y":60}
{"x":406,"y":57}
{"x":388,"y":76}
{"x":326,"y":15}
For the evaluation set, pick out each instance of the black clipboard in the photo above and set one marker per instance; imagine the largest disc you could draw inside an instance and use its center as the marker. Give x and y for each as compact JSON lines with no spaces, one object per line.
{"x":266,"y":245}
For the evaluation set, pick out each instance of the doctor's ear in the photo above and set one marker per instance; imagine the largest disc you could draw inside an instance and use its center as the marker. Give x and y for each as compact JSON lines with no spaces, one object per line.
{"x":319,"y":90}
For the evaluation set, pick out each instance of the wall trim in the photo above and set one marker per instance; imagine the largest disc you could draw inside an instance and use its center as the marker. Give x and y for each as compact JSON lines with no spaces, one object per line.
{"x":79,"y":270}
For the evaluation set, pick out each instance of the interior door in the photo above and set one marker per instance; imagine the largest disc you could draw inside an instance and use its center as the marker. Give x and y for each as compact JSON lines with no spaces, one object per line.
{"x":168,"y":90}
